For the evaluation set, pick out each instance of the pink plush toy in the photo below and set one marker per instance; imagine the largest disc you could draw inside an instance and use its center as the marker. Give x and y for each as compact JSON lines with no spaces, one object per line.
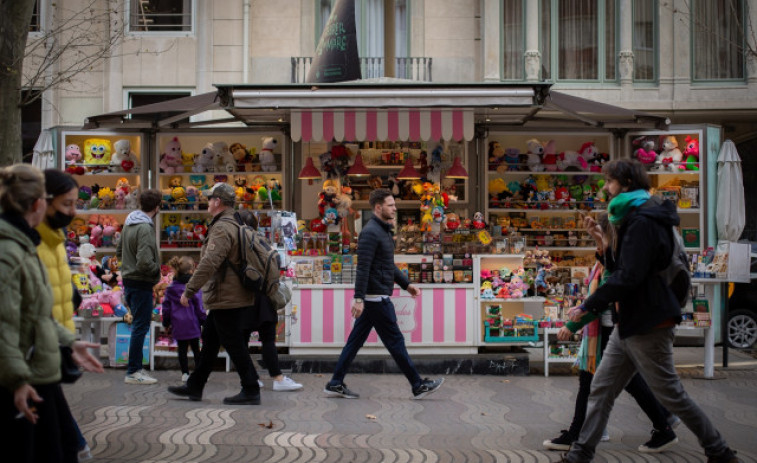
{"x":691,"y":154}
{"x":73,"y":156}
{"x":486,"y":274}
{"x":571,"y":161}
{"x":96,"y":236}
{"x":645,"y":153}
{"x":170,"y":160}
{"x":549,"y":159}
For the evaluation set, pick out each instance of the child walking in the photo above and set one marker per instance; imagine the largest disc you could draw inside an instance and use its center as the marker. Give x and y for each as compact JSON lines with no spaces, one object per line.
{"x":183,"y":321}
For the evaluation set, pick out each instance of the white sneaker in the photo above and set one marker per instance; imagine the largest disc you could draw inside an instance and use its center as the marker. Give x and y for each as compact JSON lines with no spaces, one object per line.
{"x":139,"y":377}
{"x":605,"y":436}
{"x":260,"y":384}
{"x":184,"y":377}
{"x":85,"y":454}
{"x":286,"y":384}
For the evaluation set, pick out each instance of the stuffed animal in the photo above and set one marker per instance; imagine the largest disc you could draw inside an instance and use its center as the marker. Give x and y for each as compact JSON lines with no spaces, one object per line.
{"x":327,"y":197}
{"x":593,"y":157}
{"x":123,"y":159}
{"x":498,"y":192}
{"x":534,"y":155}
{"x":170,"y":159}
{"x":223,"y":159}
{"x":512,"y":159}
{"x":571,"y":161}
{"x":549,"y":159}
{"x":671,"y":156}
{"x":187,"y":161}
{"x":97,"y":152}
{"x":242,"y":157}
{"x":267,"y":158}
{"x":691,"y":153}
{"x":496,"y":155}
{"x":74,"y":156}
{"x":205,"y":160}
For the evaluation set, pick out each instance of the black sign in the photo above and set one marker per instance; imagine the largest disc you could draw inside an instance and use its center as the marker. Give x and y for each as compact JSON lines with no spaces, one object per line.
{"x":336,"y":58}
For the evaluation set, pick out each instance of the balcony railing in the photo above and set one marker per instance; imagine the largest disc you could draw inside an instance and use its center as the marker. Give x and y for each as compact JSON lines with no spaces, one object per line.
{"x":411,"y":68}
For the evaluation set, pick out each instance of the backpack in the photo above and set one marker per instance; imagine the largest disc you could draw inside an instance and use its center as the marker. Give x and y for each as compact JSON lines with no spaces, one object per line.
{"x":259,"y":267}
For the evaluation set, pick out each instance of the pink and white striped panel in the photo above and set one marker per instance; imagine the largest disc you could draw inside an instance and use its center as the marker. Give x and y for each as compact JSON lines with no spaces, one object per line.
{"x":392,"y":124}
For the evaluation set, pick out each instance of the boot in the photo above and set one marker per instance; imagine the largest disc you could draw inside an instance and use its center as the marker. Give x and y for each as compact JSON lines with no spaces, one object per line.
{"x":245,"y":397}
{"x":186,"y":391}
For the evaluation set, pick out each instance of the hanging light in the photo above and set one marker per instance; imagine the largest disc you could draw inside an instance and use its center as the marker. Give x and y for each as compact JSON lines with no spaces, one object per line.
{"x":457,"y":170}
{"x":358,"y":169}
{"x":309,"y":172}
{"x":408,"y":172}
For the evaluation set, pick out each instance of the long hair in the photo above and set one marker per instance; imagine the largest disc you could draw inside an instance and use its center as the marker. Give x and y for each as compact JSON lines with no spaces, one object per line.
{"x":20,"y":186}
{"x":630,"y":173}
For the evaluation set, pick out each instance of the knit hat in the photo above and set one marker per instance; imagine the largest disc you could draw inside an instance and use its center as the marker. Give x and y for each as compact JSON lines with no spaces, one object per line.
{"x":222,"y":191}
{"x":58,"y":182}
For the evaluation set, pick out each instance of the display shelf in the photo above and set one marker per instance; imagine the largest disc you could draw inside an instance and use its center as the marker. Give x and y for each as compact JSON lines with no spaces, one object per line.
{"x":522,"y":332}
{"x":548,"y":358}
{"x":545,"y":211}
{"x":494,"y":173}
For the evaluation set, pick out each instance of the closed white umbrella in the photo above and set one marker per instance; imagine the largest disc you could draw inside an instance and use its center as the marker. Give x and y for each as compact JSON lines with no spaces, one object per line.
{"x":44,"y":153}
{"x":730,"y":213}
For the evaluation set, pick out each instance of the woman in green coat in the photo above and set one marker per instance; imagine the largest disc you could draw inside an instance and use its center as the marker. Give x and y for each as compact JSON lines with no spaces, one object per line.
{"x":34,"y":414}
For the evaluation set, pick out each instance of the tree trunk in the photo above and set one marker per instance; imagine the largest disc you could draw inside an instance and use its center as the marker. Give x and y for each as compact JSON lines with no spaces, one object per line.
{"x":15,"y":17}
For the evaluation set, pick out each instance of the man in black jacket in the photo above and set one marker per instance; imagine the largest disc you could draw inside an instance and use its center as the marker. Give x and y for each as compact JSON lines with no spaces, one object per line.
{"x":646,"y":313}
{"x":372,"y":307}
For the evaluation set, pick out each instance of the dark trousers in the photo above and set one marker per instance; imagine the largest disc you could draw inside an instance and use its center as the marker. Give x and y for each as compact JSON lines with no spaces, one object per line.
{"x":638,"y":389}
{"x":52,"y":440}
{"x":267,"y":337}
{"x":224,"y":327}
{"x":140,"y":303}
{"x":183,"y":346}
{"x":381,"y":316}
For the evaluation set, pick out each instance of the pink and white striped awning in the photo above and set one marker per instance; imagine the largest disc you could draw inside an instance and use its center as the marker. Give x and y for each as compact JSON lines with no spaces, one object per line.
{"x":383,"y":124}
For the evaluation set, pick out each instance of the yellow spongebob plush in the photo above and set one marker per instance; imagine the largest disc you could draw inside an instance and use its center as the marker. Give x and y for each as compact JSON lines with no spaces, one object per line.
{"x":97,"y":152}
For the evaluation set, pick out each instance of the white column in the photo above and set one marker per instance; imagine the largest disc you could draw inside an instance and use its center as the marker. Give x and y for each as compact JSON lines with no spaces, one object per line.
{"x":626,"y":43}
{"x":113,"y":75}
{"x":751,"y":37}
{"x":491,"y":43}
{"x":532,"y":55}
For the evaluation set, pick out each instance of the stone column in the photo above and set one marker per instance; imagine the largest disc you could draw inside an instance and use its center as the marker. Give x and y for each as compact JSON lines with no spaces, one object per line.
{"x":751,"y":39}
{"x":625,"y":55}
{"x":491,"y":43}
{"x":532,"y":55}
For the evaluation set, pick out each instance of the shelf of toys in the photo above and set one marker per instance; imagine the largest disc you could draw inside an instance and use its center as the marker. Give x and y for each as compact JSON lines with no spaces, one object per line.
{"x":556,"y":351}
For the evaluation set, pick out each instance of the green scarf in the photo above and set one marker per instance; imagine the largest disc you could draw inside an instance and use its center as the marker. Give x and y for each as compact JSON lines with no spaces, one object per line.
{"x":621,"y":204}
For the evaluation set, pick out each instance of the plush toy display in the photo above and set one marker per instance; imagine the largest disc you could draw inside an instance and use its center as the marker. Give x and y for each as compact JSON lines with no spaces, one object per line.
{"x":267,"y":158}
{"x":123,"y":159}
{"x":97,"y":152}
{"x":691,"y":153}
{"x":670,"y":157}
{"x":170,"y":159}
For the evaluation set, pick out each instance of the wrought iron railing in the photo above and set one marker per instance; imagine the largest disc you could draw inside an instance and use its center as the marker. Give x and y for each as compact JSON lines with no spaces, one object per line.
{"x":412,"y":68}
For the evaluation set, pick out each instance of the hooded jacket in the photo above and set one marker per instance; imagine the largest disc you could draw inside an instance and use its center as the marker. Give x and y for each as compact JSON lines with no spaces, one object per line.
{"x":185,"y":322}
{"x":29,"y":336}
{"x":138,"y":252}
{"x":52,"y":253}
{"x":645,"y":246}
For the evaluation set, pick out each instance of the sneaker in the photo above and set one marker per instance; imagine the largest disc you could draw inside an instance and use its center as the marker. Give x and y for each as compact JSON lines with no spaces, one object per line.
{"x":186,"y":391}
{"x":559,"y":443}
{"x":660,"y":441}
{"x":260,"y":384}
{"x":729,"y":456}
{"x":340,"y":390}
{"x":243,"y":398}
{"x":139,"y":377}
{"x":184,"y":377}
{"x":674,"y":421}
{"x":605,"y":436}
{"x":286,"y":384}
{"x":85,"y":454}
{"x":427,"y":387}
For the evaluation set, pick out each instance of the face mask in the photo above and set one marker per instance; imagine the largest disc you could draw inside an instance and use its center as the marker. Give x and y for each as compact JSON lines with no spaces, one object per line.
{"x":59,"y":220}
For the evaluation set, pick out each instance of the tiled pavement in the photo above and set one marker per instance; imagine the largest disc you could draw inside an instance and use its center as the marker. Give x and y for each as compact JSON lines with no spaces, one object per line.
{"x":471,"y":419}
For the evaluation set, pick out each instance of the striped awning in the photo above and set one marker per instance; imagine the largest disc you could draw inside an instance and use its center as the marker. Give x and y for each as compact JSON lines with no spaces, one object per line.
{"x":383,"y":124}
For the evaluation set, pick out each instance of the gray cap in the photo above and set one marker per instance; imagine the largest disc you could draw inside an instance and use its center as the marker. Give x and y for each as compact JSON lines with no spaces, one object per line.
{"x":222,"y":191}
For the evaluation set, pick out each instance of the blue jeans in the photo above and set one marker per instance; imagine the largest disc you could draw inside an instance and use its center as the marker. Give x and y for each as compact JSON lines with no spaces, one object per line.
{"x":650,"y":354}
{"x":140,"y":302}
{"x":381,"y":316}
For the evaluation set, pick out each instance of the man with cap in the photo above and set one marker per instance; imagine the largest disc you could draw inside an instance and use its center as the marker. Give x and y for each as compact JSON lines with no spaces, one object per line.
{"x":226,"y":301}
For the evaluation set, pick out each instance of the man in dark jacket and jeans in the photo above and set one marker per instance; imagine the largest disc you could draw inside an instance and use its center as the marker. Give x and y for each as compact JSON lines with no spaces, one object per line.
{"x":646,"y":313}
{"x":372,"y":306}
{"x":140,"y":267}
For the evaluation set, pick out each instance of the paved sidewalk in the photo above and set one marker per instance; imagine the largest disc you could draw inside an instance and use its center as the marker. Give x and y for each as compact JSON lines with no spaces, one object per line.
{"x":471,"y":419}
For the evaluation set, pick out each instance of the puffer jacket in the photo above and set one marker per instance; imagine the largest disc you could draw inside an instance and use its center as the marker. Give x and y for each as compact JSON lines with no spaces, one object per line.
{"x":376,"y":272}
{"x":138,"y":252}
{"x":29,"y":335}
{"x":52,"y":253}
{"x":221,"y":287}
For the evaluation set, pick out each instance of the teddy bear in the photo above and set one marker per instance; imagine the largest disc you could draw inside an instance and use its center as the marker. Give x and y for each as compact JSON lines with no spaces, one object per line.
{"x":97,"y":152}
{"x":123,"y":159}
{"x":534,"y":155}
{"x":223,"y":159}
{"x":74,"y":156}
{"x":645,"y":153}
{"x":691,"y":154}
{"x":170,"y":159}
{"x":670,"y":156}
{"x":267,"y":159}
{"x":205,"y":160}
{"x":496,"y":155}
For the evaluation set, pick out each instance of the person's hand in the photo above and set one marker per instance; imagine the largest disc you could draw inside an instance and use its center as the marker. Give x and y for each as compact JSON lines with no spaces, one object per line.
{"x":357,"y":309}
{"x":84,"y":357}
{"x":184,"y":301}
{"x":575,"y":314}
{"x":21,"y":398}
{"x":592,"y":228}
{"x":414,"y":290}
{"x":564,"y":334}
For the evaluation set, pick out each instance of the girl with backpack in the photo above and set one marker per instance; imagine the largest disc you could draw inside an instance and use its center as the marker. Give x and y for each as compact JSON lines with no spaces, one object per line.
{"x":184,"y":322}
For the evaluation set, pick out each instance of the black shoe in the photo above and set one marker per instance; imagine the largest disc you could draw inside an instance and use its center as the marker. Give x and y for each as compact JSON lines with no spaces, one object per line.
{"x":562,"y":442}
{"x":428,"y":386}
{"x":660,"y":441}
{"x":729,"y":456}
{"x":186,"y":391}
{"x":244,"y":398}
{"x":340,"y":390}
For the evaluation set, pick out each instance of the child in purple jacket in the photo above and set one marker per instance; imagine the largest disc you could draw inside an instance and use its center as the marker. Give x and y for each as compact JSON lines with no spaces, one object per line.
{"x":184,"y":322}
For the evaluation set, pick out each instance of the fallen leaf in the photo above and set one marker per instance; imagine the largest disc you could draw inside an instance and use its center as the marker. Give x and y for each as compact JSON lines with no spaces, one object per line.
{"x":371,"y":417}
{"x":505,"y":381}
{"x":319,"y":376}
{"x":269,"y":425}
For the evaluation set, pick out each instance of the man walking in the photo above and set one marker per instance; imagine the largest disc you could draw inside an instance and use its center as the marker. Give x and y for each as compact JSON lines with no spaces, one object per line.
{"x":372,"y":307}
{"x":646,"y":312}
{"x":140,"y":268}
{"x":226,"y":301}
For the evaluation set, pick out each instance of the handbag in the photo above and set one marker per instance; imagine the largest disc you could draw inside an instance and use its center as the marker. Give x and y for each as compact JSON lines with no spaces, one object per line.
{"x":69,"y":370}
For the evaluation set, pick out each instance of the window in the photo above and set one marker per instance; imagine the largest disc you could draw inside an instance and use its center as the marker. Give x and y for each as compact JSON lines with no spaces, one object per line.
{"x":31,"y":122}
{"x":645,"y":40}
{"x":160,"y":15}
{"x":145,"y":97}
{"x":717,"y":29}
{"x":514,"y":45}
{"x":36,"y":23}
{"x":579,"y":40}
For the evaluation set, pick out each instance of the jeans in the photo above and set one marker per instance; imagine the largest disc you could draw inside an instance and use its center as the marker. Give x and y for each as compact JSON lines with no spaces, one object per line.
{"x":381,"y":316}
{"x":140,"y":302}
{"x":650,"y":354}
{"x":223,"y":327}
